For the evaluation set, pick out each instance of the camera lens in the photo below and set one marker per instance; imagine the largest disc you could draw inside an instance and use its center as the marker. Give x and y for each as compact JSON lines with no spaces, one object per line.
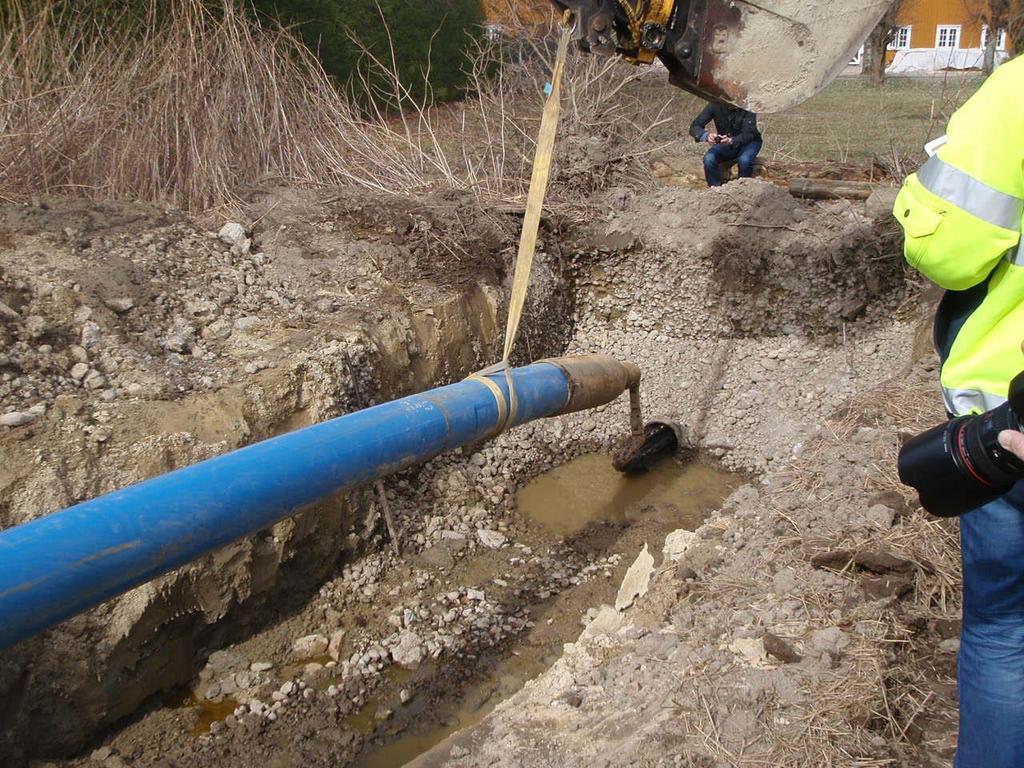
{"x":960,"y":465}
{"x":939,"y":465}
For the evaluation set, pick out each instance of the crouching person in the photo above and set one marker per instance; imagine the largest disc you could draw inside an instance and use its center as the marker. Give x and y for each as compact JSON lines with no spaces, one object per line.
{"x":735,"y":138}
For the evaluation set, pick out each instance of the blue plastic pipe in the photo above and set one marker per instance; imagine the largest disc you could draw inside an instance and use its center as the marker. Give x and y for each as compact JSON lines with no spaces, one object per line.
{"x":64,"y":563}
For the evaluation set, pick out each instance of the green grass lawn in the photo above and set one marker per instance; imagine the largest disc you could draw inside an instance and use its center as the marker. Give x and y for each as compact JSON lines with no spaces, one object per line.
{"x":854,"y":121}
{"x":851,"y":121}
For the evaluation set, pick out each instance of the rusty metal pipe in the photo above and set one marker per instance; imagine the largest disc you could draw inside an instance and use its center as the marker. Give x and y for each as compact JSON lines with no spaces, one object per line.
{"x":594,"y":380}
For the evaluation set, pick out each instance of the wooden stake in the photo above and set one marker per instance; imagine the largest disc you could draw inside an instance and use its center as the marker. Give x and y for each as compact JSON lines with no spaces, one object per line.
{"x":396,"y":547}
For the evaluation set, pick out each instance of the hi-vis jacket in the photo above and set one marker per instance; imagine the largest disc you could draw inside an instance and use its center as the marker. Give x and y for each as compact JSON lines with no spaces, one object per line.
{"x":962,"y":215}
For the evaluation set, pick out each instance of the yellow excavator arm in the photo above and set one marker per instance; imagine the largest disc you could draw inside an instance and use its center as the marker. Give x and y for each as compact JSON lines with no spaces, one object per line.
{"x":764,"y":56}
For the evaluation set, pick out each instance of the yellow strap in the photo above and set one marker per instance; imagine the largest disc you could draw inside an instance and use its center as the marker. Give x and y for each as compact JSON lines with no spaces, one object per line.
{"x":499,"y":397}
{"x":535,"y":200}
{"x":507,"y":409}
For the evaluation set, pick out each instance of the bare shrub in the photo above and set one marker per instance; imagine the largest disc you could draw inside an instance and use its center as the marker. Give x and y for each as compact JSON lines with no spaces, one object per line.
{"x":184,"y":111}
{"x":609,"y":123}
{"x":194,"y":107}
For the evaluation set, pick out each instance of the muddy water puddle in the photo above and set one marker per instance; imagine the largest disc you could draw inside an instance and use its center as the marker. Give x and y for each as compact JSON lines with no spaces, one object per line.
{"x":206,"y":712}
{"x":586,"y":496}
{"x":471,"y":706}
{"x":588,"y":490}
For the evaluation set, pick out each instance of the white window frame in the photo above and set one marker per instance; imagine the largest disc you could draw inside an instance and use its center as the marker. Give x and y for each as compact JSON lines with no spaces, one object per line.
{"x":949,"y":29}
{"x":1000,"y":41}
{"x":858,"y":58}
{"x":896,"y":44}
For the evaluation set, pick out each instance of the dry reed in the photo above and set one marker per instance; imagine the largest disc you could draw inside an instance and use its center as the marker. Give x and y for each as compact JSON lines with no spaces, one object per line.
{"x":195,"y":107}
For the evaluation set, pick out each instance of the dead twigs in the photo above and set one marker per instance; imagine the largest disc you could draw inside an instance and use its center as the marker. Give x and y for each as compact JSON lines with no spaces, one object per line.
{"x":188,"y":106}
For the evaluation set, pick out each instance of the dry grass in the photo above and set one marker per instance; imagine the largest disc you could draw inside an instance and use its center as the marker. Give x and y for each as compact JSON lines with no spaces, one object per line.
{"x":849,"y":122}
{"x":892,"y":682}
{"x":184,"y":112}
{"x":855,"y":121}
{"x":195,"y":108}
{"x":890,"y":688}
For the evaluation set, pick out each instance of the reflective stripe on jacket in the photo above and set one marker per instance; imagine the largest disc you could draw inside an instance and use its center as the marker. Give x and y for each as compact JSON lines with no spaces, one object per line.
{"x":962,"y":215}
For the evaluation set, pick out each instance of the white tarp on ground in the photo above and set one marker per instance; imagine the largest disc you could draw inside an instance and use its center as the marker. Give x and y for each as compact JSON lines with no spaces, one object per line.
{"x":921,"y":60}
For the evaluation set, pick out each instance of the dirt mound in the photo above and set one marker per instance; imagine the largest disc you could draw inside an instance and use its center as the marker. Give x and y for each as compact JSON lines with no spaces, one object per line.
{"x":732,"y":303}
{"x":123,"y":300}
{"x":356,"y":300}
{"x":779,"y":266}
{"x":140,"y":342}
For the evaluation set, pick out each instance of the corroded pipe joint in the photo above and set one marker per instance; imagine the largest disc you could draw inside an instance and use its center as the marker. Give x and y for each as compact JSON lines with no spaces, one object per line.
{"x":594,"y":380}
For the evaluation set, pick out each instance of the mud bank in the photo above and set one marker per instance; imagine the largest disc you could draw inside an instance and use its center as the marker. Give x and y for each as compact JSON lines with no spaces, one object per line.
{"x":813,"y":620}
{"x":753,"y":317}
{"x":138,"y":343}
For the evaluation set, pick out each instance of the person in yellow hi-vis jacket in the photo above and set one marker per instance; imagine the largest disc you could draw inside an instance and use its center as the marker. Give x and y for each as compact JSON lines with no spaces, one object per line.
{"x":962,"y":216}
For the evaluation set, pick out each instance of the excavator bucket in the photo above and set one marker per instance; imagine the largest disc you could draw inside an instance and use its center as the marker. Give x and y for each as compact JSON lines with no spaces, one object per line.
{"x":763,"y":56}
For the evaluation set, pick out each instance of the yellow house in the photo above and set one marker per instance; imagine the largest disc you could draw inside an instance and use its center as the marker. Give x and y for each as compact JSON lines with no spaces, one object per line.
{"x":941,"y":34}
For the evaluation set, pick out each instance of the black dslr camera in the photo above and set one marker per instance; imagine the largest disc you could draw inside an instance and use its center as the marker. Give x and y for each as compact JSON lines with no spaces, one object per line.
{"x":960,"y":465}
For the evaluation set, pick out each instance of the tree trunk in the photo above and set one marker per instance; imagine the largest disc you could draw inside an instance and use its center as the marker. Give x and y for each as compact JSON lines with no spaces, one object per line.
{"x":874,"y":56}
{"x":877,"y":43}
{"x":989,"y":62}
{"x":999,"y":15}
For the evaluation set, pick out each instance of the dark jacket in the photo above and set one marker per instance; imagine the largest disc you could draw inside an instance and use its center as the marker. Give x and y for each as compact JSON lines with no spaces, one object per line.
{"x":729,"y":121}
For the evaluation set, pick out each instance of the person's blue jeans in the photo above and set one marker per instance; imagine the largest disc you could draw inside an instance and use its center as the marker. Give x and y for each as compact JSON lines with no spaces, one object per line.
{"x":990,"y":673}
{"x":726,"y":153}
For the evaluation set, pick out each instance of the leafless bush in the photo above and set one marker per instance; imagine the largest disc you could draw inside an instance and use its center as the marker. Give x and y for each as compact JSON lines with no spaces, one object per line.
{"x":185,"y":111}
{"x":606,"y":124}
{"x":486,"y":142}
{"x":193,"y":108}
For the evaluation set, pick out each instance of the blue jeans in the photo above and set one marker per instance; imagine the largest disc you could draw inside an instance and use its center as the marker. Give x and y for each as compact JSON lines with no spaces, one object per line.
{"x":726,"y":153}
{"x":990,"y":673}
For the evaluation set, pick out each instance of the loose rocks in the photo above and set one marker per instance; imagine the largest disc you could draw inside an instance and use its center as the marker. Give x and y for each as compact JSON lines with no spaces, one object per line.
{"x":409,"y":652}
{"x":17,"y":419}
{"x":309,"y":646}
{"x":492,"y":539}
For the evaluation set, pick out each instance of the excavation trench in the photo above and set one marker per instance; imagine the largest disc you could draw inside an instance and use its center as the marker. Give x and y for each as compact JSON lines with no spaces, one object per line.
{"x":560,"y":566}
{"x":314,"y":644}
{"x":592,"y":511}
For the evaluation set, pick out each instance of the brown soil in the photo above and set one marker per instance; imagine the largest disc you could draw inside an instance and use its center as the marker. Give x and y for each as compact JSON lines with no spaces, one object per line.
{"x":754,"y":318}
{"x":141,"y":342}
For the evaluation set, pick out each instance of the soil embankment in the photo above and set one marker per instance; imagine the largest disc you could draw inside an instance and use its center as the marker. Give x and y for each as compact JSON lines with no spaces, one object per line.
{"x":753,"y":316}
{"x":138,"y":342}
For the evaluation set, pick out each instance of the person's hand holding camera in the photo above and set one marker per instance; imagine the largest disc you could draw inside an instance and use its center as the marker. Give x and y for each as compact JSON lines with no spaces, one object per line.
{"x":713,"y":138}
{"x":966,"y":462}
{"x":1013,"y":441}
{"x":725,"y":139}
